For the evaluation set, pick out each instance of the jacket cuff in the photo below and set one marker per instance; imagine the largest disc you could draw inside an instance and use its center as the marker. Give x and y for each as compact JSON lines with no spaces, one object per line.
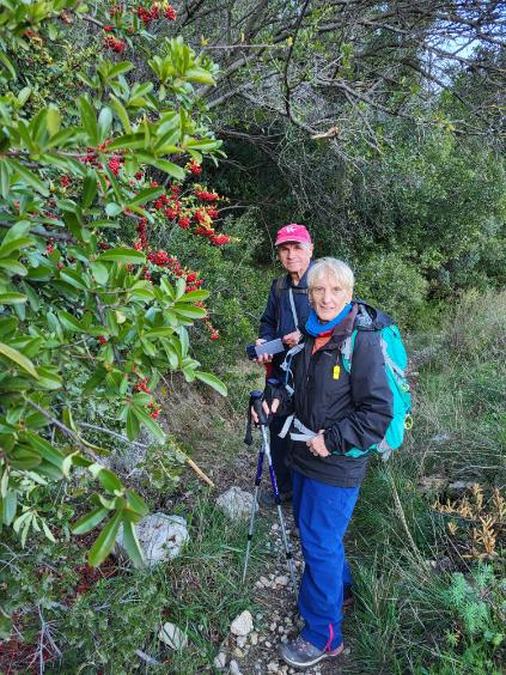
{"x":332,"y":438}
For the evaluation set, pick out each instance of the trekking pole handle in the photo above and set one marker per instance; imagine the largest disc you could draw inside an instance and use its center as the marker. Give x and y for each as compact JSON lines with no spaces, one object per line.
{"x":256,"y":400}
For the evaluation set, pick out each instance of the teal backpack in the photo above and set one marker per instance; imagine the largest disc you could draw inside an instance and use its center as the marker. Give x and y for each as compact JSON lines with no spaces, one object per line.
{"x":396,"y":363}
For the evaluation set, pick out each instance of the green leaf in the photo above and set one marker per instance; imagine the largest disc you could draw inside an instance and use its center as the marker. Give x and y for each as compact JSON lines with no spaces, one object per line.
{"x":104,"y":123}
{"x":212,"y":381}
{"x":69,"y":322}
{"x":29,"y":177}
{"x":131,"y":544}
{"x":164,"y":165}
{"x":112,"y":209}
{"x":9,"y":505}
{"x":146,"y":195}
{"x":110,"y":481}
{"x":145,"y":419}
{"x":189,"y":312}
{"x":122,"y":114}
{"x":136,"y":503}
{"x":99,"y":272}
{"x":194,"y":296}
{"x":12,"y":298}
{"x":53,"y":120}
{"x":89,"y":120}
{"x":14,"y":245}
{"x":74,"y":278}
{"x":13,"y":266}
{"x":45,"y":449}
{"x":123,"y":255}
{"x":132,"y":425}
{"x":90,"y":520}
{"x":105,"y":541}
{"x":19,"y":359}
{"x":199,"y":75}
{"x":7,"y":64}
{"x":89,"y":190}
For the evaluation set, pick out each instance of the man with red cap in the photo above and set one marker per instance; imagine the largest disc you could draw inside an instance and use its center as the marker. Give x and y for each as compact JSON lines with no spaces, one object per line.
{"x":286,"y":312}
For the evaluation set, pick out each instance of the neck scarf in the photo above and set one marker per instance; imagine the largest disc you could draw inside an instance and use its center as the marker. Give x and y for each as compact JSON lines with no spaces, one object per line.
{"x":315,"y":327}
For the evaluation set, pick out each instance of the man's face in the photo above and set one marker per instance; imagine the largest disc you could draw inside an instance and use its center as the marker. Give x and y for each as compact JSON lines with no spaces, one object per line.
{"x":295,"y":257}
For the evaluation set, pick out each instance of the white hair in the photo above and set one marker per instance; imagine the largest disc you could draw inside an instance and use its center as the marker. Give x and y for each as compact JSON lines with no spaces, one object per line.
{"x":331,"y":267}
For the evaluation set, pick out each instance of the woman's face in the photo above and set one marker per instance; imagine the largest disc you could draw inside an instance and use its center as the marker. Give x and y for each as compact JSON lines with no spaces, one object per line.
{"x":329,"y":297}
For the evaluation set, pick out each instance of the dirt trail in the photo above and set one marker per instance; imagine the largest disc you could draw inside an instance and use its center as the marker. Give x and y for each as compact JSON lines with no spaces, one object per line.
{"x":278,"y":619}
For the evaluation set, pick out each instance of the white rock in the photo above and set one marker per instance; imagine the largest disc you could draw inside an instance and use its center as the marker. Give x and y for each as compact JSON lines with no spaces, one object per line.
{"x":242,"y":624}
{"x":241,"y":641}
{"x":236,"y":504}
{"x":282,"y":580}
{"x":234,"y":668}
{"x":272,"y":666}
{"x":172,"y":636}
{"x":238,"y":653}
{"x":253,"y":638}
{"x":220,"y":661}
{"x":161,"y":537}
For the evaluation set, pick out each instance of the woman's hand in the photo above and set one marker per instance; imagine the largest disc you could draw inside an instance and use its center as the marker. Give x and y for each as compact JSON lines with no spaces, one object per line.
{"x":267,"y":411}
{"x":292,"y":339}
{"x":317,"y":445}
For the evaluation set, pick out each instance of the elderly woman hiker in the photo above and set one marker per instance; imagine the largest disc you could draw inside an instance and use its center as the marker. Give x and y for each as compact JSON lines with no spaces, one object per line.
{"x":333,"y":411}
{"x":285,"y":314}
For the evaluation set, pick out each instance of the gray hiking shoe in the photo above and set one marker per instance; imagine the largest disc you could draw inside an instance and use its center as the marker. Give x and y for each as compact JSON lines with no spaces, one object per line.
{"x":267,"y":498}
{"x":300,"y":653}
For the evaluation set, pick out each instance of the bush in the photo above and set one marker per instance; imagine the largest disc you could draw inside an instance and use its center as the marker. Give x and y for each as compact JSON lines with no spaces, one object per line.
{"x":394,"y":285}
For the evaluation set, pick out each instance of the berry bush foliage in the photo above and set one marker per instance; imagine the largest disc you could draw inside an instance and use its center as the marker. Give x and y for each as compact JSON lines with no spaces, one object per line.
{"x":86,"y":178}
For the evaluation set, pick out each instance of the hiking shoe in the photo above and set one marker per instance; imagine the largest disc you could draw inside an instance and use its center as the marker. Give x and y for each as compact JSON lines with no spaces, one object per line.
{"x":300,"y":653}
{"x":267,"y":498}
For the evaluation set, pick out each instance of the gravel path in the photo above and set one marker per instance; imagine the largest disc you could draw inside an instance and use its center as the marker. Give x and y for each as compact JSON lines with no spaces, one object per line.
{"x":258,"y":652}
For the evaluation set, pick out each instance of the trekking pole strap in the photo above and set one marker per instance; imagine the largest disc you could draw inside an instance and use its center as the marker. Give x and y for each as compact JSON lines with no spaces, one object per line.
{"x":304,"y":434}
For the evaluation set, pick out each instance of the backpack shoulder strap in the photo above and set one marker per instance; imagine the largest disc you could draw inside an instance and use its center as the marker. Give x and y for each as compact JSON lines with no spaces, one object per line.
{"x":346,"y":349}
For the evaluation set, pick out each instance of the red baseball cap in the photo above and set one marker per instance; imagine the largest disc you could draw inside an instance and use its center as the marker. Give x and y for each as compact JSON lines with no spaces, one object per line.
{"x":293,"y":232}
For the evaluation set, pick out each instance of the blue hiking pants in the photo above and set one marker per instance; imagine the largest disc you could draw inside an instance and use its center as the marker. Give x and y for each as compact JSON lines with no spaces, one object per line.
{"x":322,"y":513}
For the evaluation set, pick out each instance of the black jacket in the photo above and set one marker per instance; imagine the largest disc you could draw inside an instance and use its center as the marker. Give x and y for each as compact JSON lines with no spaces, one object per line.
{"x":354,"y":409}
{"x":277,"y":319}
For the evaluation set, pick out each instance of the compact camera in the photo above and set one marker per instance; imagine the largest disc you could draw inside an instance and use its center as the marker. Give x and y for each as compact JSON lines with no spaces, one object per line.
{"x":271,"y":347}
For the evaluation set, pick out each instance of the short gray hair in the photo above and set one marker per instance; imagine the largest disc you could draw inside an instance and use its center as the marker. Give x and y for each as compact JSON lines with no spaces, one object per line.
{"x":338,"y":269}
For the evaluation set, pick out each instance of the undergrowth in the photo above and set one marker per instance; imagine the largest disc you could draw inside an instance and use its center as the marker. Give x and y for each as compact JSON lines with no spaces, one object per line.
{"x":429,"y":569}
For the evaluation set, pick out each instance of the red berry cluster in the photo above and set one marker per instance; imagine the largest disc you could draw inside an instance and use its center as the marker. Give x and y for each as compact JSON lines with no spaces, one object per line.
{"x":154,"y":410}
{"x":142,"y":385}
{"x":50,"y":247}
{"x":115,"y":163}
{"x":142,"y":243}
{"x":117,"y":45}
{"x":194,"y":167}
{"x":204,"y":195}
{"x":65,"y":181}
{"x":102,"y":339}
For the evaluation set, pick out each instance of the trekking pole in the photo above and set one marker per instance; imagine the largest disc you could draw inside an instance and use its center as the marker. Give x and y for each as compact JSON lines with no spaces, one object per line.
{"x":256,"y":398}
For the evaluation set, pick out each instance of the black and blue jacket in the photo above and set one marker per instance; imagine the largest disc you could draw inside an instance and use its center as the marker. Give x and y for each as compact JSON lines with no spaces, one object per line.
{"x":354,"y":408}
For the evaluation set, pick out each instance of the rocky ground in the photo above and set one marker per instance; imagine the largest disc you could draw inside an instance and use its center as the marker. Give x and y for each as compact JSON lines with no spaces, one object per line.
{"x":252,"y":646}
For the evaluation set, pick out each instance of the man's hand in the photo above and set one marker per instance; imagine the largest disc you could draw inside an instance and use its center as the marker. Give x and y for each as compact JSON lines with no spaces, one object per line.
{"x":265,"y":406}
{"x":317,"y":445}
{"x":263,"y":358}
{"x":292,"y":339}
